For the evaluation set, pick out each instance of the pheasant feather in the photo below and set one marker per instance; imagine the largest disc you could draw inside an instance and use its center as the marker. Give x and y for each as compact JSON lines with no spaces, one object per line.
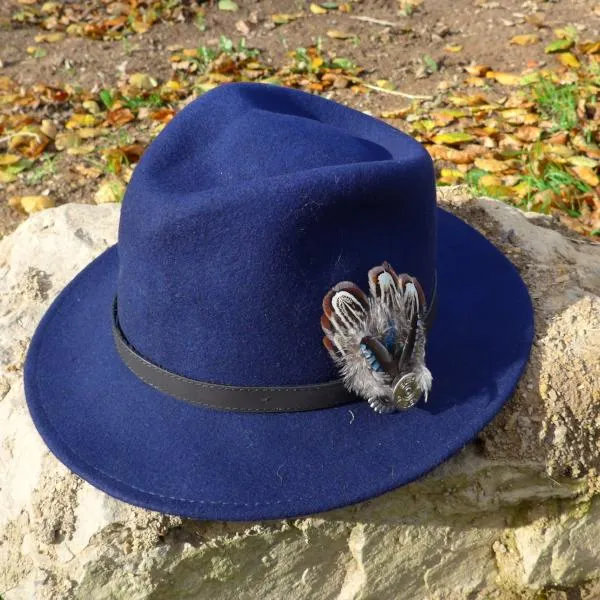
{"x":378,"y":341}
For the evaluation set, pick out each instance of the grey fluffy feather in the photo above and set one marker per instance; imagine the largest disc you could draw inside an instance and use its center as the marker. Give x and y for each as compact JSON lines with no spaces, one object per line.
{"x":354,"y":317}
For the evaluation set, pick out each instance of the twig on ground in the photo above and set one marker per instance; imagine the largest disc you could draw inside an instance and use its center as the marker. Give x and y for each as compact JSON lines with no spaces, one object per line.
{"x":376,"y":21}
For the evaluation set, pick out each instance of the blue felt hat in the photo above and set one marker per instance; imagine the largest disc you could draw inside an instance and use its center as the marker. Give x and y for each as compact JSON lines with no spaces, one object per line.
{"x":184,"y":370}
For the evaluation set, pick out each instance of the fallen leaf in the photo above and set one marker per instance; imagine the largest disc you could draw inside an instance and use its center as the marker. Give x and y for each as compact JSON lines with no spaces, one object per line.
{"x":587,"y":175}
{"x":491,"y":164}
{"x":48,"y":128}
{"x":453,"y":49}
{"x":528,"y":133}
{"x":285,"y":18}
{"x":111,"y":190}
{"x":6,"y":177}
{"x":488,"y":181}
{"x":242,"y":27}
{"x":398,"y":113}
{"x":67,"y":140}
{"x":526,"y":39}
{"x":590,"y":47}
{"x":51,"y":38}
{"x":569,"y":60}
{"x":9,"y":159}
{"x":228,"y":5}
{"x":450,"y":176}
{"x":477,"y":70}
{"x":120,"y":116}
{"x":80,"y":120}
{"x":455,"y":137}
{"x":338,"y":35}
{"x":315,"y":9}
{"x":559,"y":46}
{"x":504,"y":78}
{"x":583,"y":161}
{"x":566,"y":33}
{"x":81,"y":150}
{"x":31,"y":204}
{"x":143,"y":81}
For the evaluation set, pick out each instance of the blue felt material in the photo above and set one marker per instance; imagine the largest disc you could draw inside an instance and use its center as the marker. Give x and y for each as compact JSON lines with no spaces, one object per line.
{"x":250,"y":205}
{"x":195,"y":252}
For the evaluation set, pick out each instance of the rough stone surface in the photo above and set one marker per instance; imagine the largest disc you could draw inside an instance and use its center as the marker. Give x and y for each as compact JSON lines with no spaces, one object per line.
{"x":516,"y":515}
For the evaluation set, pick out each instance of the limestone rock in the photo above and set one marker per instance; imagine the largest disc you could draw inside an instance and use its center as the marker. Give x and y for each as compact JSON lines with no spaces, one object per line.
{"x":514,"y":515}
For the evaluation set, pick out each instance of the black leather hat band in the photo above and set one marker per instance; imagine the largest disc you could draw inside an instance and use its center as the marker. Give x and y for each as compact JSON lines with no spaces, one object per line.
{"x":235,"y":398}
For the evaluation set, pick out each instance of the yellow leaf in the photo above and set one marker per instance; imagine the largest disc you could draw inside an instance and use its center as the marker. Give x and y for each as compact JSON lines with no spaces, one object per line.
{"x":583,"y":161}
{"x":519,"y":116}
{"x":454,"y":49}
{"x":399,"y":113}
{"x":140,"y":26}
{"x":143,"y":81}
{"x":339,"y":35}
{"x":111,"y":190}
{"x":81,"y":150}
{"x":49,"y":37}
{"x":450,"y":176}
{"x":488,"y":180}
{"x":315,"y":9}
{"x":8,"y":159}
{"x":424,"y":125}
{"x":491,"y":164}
{"x":588,"y":175}
{"x":526,"y":39}
{"x":504,"y":78}
{"x":316,"y":62}
{"x":6,"y":177}
{"x":456,"y":137}
{"x":284,"y":18}
{"x":79,"y":120}
{"x":569,"y":60}
{"x":31,"y":204}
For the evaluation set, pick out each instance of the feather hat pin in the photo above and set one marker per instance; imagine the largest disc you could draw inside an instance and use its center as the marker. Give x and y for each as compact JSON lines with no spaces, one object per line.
{"x":378,"y":341}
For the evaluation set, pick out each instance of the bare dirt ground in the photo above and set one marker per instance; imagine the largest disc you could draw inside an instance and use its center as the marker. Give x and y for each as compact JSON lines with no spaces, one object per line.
{"x":386,"y":39}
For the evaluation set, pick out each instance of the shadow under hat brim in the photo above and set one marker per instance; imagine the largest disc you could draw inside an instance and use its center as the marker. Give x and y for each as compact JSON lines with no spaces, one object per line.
{"x":151,"y":450}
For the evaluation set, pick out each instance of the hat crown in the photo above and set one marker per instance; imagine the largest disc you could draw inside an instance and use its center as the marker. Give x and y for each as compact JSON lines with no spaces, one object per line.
{"x":250,"y":204}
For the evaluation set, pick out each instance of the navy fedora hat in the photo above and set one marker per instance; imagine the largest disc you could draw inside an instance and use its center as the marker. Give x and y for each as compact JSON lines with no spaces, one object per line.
{"x":217,"y":363}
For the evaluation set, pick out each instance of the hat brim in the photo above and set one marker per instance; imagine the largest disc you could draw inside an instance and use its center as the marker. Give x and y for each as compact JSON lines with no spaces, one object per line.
{"x":151,"y":450}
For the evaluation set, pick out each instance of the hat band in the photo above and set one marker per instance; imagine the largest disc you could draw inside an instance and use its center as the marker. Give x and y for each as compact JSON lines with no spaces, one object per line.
{"x":236,"y":398}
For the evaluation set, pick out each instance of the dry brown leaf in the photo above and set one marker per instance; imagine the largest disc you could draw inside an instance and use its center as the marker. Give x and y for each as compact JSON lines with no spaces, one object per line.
{"x":120,"y":116}
{"x":528,"y":133}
